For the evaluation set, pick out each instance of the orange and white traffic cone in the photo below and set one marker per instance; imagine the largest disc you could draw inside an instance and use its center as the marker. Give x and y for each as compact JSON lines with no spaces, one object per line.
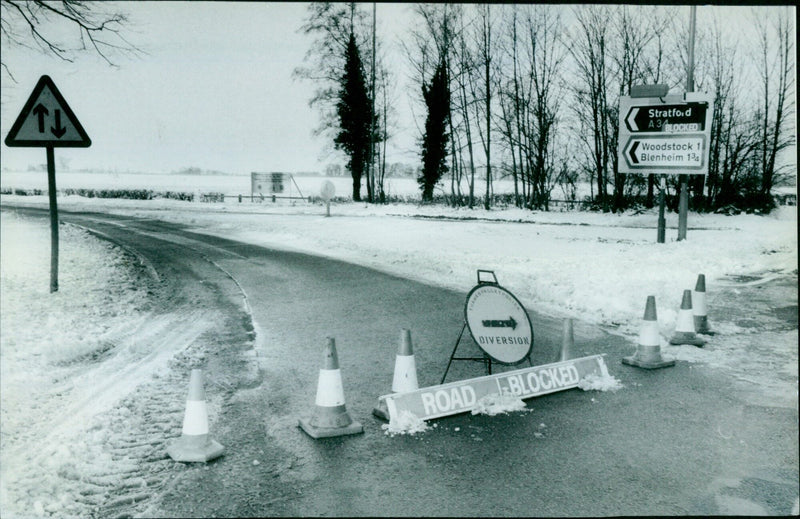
{"x":330,"y":417}
{"x":194,"y":443}
{"x":567,"y":341}
{"x":648,"y":352}
{"x":684,"y":327}
{"x":699,"y":310}
{"x":405,"y":372}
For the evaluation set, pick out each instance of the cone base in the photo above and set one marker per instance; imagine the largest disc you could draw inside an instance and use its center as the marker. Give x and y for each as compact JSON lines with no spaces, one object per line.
{"x":653,"y":364}
{"x":329,"y":432}
{"x":188,"y":449}
{"x":701,"y":325}
{"x":381,"y":410}
{"x":686,"y":338}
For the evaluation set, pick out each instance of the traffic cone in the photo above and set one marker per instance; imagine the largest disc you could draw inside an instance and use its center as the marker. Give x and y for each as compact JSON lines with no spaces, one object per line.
{"x":194,"y":443}
{"x":648,"y":352}
{"x":330,"y":417}
{"x":684,"y":327}
{"x":405,"y":372}
{"x":699,"y":310}
{"x":567,"y":341}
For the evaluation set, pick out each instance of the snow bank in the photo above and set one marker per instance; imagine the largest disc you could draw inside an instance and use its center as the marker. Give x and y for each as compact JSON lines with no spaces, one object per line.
{"x":496,"y":403}
{"x":604,"y":382}
{"x":406,"y":423}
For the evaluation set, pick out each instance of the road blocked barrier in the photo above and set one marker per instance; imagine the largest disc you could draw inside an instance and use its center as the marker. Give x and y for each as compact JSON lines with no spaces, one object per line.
{"x":463,"y":396}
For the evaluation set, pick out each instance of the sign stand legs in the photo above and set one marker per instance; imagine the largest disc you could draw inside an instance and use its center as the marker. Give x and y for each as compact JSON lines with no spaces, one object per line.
{"x":51,"y":188}
{"x":485,"y":359}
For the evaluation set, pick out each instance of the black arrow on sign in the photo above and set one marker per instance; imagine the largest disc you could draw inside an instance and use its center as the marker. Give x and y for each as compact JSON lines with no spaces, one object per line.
{"x":40,"y":111}
{"x":510,"y":323}
{"x":59,"y":130}
{"x":632,"y":152}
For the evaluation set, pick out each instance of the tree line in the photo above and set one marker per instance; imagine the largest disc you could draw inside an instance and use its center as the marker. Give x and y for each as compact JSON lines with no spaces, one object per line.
{"x":531,"y":93}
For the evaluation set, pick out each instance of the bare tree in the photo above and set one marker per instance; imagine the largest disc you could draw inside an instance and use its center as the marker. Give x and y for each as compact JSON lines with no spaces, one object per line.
{"x":39,"y":25}
{"x":776,"y":68}
{"x":590,"y":51}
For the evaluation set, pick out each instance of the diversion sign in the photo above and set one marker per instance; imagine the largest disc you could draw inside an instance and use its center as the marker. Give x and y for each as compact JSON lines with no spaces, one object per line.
{"x":462,"y":396}
{"x":498,"y":323}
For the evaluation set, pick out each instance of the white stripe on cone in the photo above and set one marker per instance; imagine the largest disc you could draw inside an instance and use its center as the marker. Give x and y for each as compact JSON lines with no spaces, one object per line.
{"x":195,"y":421}
{"x":685,"y":322}
{"x":699,"y":303}
{"x":405,"y":374}
{"x":648,"y":334}
{"x":329,"y":388}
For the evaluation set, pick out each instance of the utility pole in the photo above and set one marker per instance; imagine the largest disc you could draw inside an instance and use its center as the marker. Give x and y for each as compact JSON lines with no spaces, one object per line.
{"x":683,"y":200}
{"x":371,"y":179}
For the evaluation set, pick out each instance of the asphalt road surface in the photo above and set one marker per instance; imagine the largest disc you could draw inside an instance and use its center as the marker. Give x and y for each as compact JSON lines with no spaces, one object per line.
{"x":674,"y":441}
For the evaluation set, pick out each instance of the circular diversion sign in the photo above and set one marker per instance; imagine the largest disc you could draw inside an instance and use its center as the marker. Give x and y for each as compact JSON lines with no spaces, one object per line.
{"x":327,"y":190}
{"x":499,"y":323}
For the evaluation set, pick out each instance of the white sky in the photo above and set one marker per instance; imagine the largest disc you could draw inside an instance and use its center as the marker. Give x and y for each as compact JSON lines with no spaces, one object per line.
{"x":215,"y":91}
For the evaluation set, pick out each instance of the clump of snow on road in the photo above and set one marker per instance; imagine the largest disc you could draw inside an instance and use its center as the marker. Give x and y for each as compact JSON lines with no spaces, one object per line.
{"x":602,"y":382}
{"x":406,"y":423}
{"x":496,"y":403}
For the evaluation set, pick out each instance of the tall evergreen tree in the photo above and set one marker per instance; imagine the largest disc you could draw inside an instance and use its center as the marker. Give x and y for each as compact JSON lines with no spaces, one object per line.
{"x":434,"y":141}
{"x":354,"y":109}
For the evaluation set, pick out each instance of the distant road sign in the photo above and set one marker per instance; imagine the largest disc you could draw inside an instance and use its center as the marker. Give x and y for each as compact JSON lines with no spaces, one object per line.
{"x":665,"y":135}
{"x":47,"y":120}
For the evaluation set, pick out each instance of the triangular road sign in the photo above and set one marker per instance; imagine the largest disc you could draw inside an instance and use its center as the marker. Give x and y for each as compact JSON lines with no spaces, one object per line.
{"x":47,"y":120}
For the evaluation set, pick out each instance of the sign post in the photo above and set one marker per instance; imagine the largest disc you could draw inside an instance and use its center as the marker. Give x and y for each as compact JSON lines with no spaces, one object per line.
{"x":47,"y":121}
{"x":326,"y":191}
{"x":665,"y":135}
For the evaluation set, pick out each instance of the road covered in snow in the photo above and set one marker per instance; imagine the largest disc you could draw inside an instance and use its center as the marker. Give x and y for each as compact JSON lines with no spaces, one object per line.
{"x":715,"y":434}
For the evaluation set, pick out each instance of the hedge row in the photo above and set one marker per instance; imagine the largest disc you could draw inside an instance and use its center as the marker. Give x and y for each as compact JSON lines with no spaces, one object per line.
{"x":128,"y":194}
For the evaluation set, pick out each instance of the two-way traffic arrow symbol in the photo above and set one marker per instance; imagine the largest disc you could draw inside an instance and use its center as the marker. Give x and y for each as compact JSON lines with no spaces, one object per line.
{"x":40,"y":111}
{"x":510,"y":323}
{"x":59,"y":130}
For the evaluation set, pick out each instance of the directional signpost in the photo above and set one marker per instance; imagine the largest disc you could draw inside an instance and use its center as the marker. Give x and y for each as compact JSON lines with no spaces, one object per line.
{"x":47,"y":121}
{"x":665,"y":135}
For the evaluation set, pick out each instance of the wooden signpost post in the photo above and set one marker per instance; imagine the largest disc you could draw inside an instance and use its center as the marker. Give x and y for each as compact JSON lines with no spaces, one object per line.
{"x":47,"y":121}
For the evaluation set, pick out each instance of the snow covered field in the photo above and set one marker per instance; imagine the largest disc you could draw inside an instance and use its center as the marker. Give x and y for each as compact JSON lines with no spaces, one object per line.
{"x":598,"y":268}
{"x":230,"y":185}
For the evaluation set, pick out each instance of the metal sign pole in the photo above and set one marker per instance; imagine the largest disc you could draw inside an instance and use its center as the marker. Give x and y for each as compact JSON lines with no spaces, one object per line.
{"x":683,"y":201}
{"x":47,"y":121}
{"x":51,"y":189}
{"x":662,"y":223}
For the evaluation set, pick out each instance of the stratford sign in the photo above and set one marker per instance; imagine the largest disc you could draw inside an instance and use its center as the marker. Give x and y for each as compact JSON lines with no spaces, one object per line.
{"x":667,"y":134}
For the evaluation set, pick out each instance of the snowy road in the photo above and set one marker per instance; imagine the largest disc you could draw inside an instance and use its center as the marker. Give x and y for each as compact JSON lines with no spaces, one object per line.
{"x":684,"y":440}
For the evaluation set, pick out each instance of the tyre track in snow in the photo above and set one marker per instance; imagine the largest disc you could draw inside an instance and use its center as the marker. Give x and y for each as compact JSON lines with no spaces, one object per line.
{"x":120,"y":412}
